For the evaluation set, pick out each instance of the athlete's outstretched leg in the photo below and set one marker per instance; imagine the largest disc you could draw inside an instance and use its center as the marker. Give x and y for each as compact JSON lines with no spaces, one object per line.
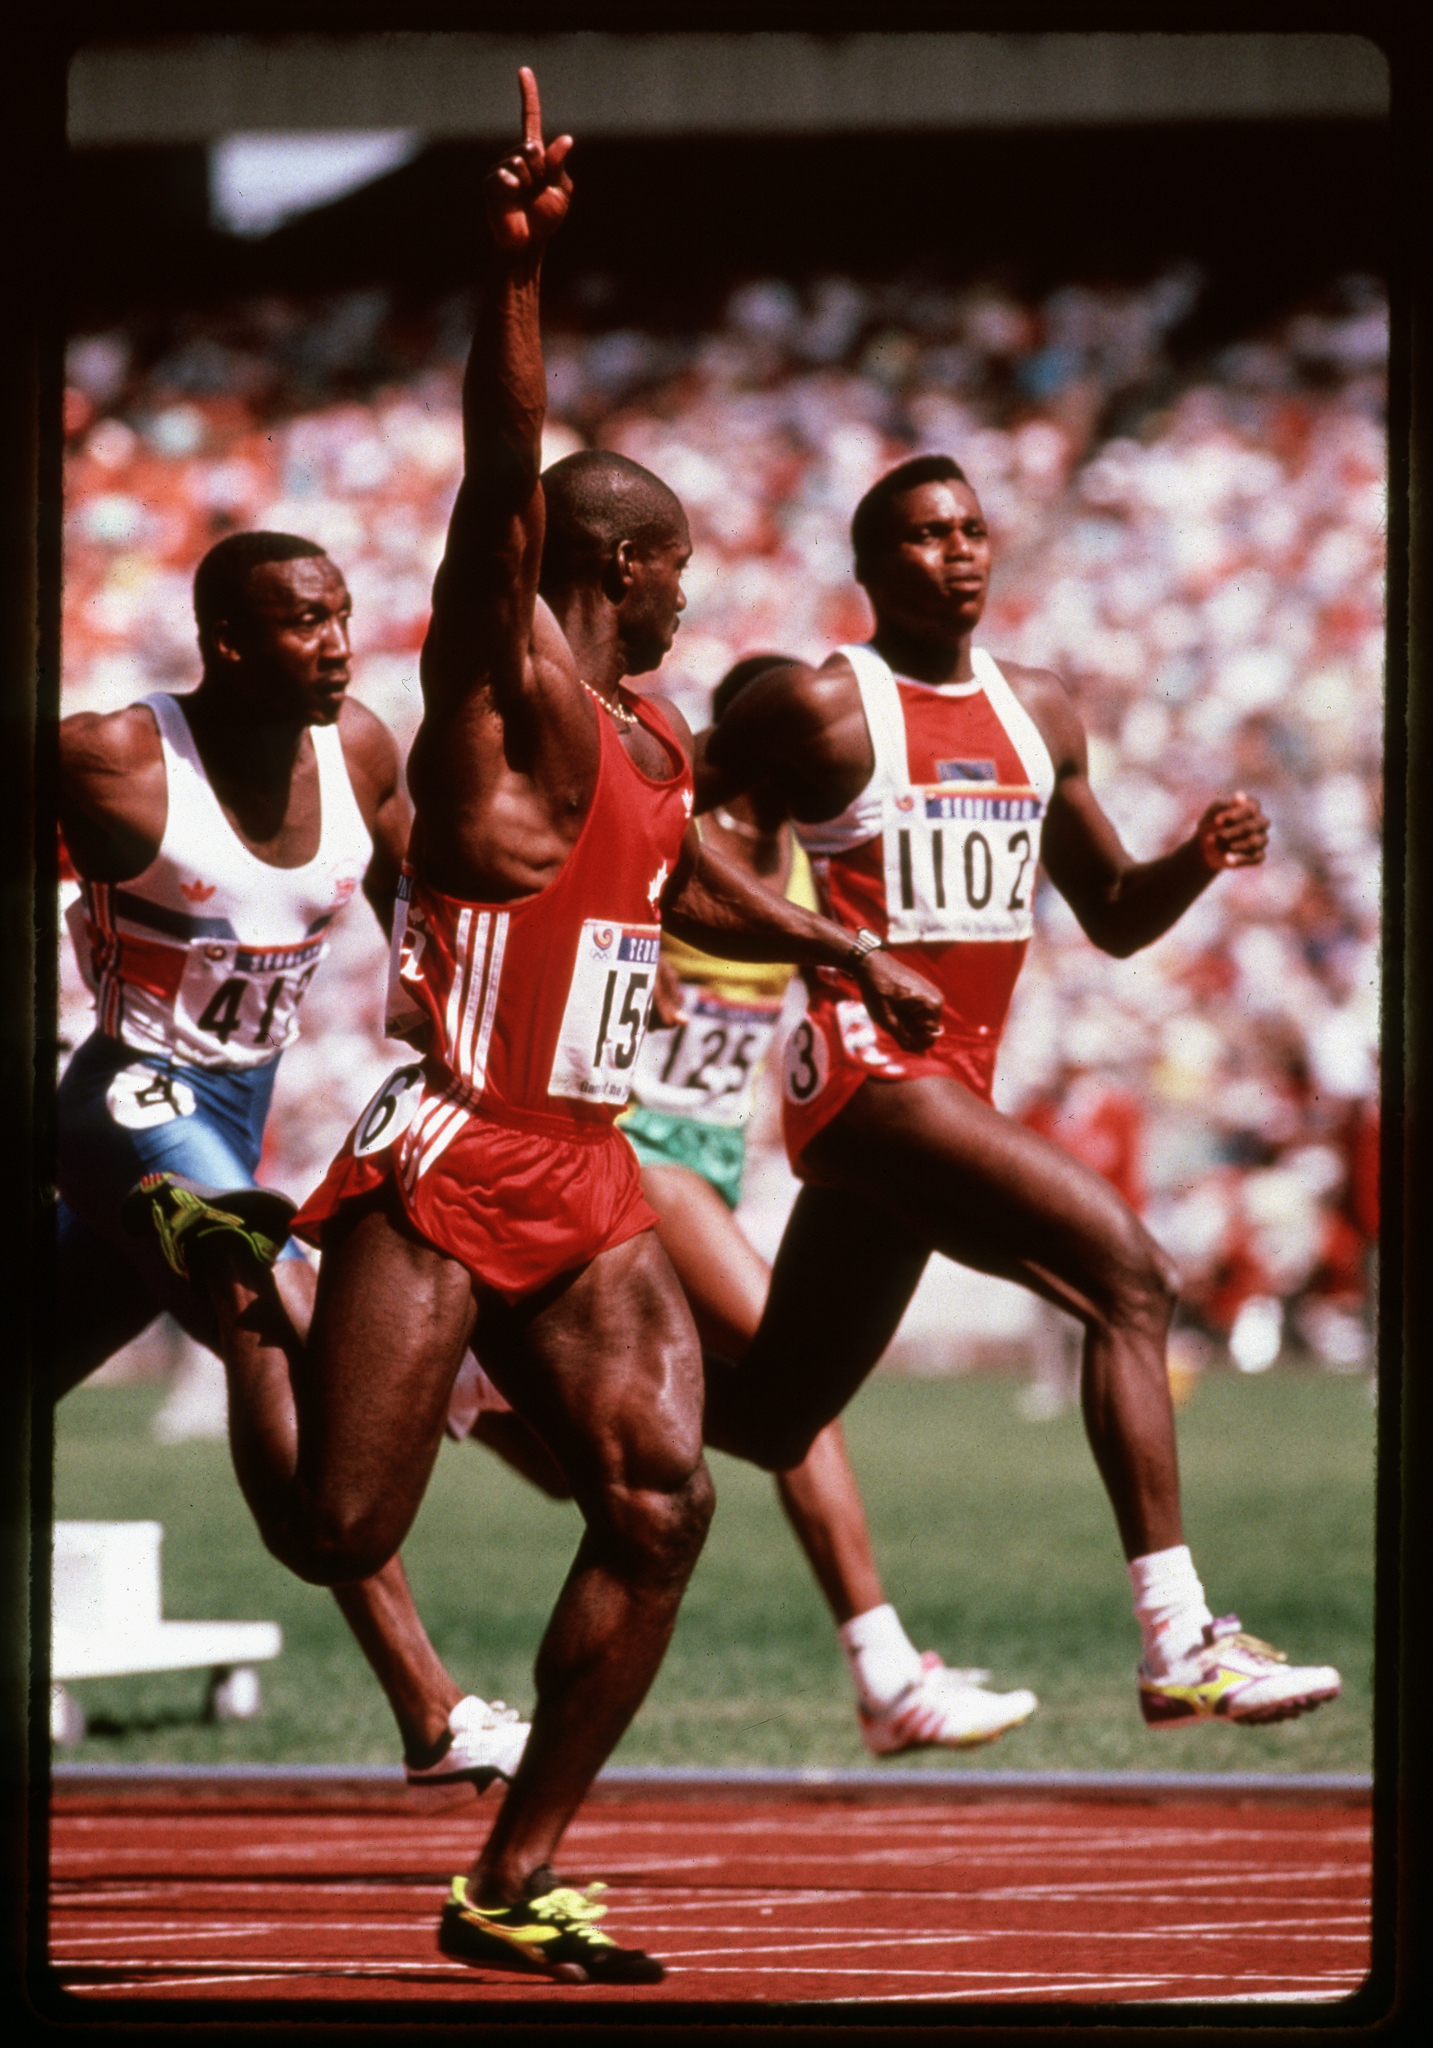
{"x":333,"y":1441}
{"x":844,"y":1276}
{"x":904,"y":1700}
{"x":606,"y":1366}
{"x":418,"y":1686}
{"x":725,"y":1281}
{"x":990,"y":1193}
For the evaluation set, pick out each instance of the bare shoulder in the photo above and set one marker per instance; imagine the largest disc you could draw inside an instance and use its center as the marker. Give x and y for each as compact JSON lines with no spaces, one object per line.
{"x":1044,"y":695}
{"x":802,"y":699}
{"x":109,"y":743}
{"x":676,"y":719}
{"x":113,"y":799}
{"x":821,"y":688}
{"x":369,"y":748}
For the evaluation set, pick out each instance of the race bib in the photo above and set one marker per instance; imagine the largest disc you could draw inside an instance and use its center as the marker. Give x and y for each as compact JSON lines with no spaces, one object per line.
{"x":607,"y":1008}
{"x":389,"y":1114}
{"x":139,"y":1099}
{"x":243,"y":1000}
{"x":960,"y":862}
{"x":707,"y":1067}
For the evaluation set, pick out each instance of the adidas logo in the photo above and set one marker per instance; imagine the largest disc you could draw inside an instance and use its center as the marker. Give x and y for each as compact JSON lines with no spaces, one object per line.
{"x":198,"y":892}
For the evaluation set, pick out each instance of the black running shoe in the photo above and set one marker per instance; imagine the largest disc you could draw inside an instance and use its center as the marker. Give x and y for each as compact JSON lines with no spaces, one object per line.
{"x":182,"y":1213}
{"x":554,"y":1935}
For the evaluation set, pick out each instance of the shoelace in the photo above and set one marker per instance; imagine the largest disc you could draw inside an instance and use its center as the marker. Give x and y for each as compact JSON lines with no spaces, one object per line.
{"x":567,"y":1903}
{"x":1228,"y":1632}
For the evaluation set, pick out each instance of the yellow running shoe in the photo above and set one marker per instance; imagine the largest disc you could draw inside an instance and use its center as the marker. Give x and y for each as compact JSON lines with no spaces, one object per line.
{"x":182,"y":1214}
{"x":1230,"y":1676}
{"x":553,"y":1934}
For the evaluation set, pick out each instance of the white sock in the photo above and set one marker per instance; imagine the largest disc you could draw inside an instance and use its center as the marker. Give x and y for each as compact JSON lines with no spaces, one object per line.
{"x":882,"y":1658}
{"x":1169,"y":1606}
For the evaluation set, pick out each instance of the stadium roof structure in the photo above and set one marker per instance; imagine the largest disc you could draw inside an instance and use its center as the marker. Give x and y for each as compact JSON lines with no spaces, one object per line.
{"x":444,"y":85}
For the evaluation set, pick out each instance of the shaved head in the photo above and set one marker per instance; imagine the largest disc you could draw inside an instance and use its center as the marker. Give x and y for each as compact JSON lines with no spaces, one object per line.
{"x":596,"y":500}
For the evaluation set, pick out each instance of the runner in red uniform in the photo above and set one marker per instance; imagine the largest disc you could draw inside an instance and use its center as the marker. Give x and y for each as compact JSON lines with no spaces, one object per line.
{"x":927,"y":781}
{"x":503,"y":1147}
{"x":551,"y":835}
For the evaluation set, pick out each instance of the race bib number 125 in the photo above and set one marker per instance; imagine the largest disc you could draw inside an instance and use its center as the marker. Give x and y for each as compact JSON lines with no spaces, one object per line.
{"x":607,"y":1008}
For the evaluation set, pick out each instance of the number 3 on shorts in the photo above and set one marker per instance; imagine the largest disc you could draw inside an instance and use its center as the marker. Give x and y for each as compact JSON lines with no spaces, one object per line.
{"x":806,"y":1063}
{"x":389,"y":1114}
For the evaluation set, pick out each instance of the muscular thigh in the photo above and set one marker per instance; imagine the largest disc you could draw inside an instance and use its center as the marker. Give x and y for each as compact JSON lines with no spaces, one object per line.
{"x":606,"y":1366}
{"x":976,"y":1185}
{"x":722,"y":1275}
{"x":844,"y":1275}
{"x":390,"y":1321}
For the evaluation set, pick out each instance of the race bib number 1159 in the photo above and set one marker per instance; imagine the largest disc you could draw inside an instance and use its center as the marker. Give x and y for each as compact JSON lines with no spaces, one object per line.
{"x":606,"y":1014}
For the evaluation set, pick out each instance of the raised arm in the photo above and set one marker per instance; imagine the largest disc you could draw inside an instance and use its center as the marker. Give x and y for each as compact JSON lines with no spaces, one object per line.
{"x":1123,"y":904}
{"x":485,"y":594}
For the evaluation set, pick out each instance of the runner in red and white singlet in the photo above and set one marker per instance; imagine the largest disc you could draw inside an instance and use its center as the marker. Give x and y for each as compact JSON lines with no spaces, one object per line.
{"x":926,"y":803}
{"x":483,"y":1196}
{"x":939,"y":851}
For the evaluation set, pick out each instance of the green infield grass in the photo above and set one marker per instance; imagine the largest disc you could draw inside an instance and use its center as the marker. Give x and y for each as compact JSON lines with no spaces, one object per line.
{"x":993,"y":1532}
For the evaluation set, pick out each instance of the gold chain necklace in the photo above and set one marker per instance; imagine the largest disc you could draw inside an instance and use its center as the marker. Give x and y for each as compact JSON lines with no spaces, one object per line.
{"x":625,"y":719}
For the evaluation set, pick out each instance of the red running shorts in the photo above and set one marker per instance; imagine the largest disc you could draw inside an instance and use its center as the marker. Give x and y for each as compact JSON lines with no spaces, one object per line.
{"x":837,"y":1047}
{"x":515,"y":1202}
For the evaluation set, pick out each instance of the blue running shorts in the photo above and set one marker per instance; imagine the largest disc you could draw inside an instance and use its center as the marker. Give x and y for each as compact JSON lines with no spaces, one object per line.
{"x":121,"y":1114}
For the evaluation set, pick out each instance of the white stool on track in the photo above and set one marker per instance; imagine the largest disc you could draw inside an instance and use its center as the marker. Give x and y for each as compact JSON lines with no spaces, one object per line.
{"x":107,"y":1622}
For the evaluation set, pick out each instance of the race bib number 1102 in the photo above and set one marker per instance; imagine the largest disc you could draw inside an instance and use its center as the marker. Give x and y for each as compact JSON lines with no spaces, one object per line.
{"x":960,"y":862}
{"x":607,"y":1008}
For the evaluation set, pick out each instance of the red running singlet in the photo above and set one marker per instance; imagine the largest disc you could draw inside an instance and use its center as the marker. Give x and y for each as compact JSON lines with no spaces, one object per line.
{"x":937,"y":854}
{"x":502,"y":1145}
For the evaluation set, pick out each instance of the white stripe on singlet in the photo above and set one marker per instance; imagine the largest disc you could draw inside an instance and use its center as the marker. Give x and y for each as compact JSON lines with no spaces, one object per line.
{"x":480,"y":942}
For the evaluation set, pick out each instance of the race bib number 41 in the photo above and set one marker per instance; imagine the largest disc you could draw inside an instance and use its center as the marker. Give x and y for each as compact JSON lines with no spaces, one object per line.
{"x":607,"y":1008}
{"x":245,"y":999}
{"x":960,"y":862}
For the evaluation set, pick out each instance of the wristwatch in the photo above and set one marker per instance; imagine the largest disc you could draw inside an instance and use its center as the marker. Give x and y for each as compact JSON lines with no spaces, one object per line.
{"x":866,"y":941}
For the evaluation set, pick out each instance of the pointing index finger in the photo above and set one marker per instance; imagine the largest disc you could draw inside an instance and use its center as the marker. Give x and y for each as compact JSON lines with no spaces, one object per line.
{"x":531,"y":108}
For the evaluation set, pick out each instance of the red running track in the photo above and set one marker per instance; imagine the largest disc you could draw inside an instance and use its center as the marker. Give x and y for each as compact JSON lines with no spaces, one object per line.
{"x":792,"y":1899}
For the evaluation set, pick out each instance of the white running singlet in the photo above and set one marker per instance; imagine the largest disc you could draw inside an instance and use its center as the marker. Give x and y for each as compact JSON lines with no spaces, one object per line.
{"x":207,"y":954}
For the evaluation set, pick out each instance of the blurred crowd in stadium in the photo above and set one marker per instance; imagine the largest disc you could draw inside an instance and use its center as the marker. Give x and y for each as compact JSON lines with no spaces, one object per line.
{"x":1198,"y":551}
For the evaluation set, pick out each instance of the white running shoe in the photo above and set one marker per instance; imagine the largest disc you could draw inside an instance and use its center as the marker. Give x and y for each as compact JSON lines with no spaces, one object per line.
{"x":944,"y":1709}
{"x":488,"y":1742}
{"x":1233,"y":1677}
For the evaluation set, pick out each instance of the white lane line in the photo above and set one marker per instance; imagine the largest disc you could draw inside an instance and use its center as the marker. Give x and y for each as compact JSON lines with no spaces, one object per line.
{"x":340,"y":1966}
{"x":277,"y":1975}
{"x":1115,"y":1888}
{"x":1316,"y":1996}
{"x":794,"y":1941}
{"x":1000,"y":1839}
{"x":1014,"y":1980}
{"x":213,"y":1931}
{"x":148,"y":1984}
